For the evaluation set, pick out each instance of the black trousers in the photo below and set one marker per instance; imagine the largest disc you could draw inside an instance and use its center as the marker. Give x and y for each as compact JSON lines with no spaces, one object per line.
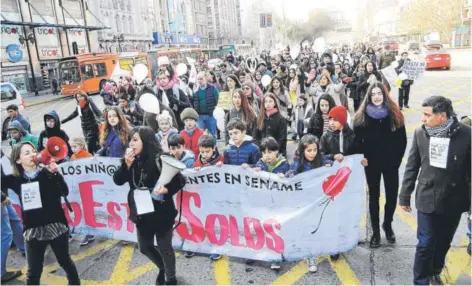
{"x":435,"y":233}
{"x":92,"y":144}
{"x":163,"y":255}
{"x":403,"y":95}
{"x":300,"y":128}
{"x":35,"y":250}
{"x":390,"y":176}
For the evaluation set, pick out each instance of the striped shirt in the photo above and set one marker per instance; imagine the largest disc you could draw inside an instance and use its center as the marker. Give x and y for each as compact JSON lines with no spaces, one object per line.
{"x":47,"y":232}
{"x":325,"y":122}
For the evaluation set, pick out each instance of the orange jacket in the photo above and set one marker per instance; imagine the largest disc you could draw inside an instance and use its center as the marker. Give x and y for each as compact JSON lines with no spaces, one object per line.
{"x":82,"y":154}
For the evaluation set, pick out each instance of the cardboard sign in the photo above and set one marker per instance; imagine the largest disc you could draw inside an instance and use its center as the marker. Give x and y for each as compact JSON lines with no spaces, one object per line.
{"x":414,"y":69}
{"x":224,"y":100}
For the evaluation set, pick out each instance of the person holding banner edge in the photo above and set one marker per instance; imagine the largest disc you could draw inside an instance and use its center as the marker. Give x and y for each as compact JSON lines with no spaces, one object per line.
{"x":141,"y":168}
{"x":44,"y":221}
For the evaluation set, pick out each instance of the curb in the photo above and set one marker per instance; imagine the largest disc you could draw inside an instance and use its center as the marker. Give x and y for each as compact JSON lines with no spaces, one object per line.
{"x":47,"y":100}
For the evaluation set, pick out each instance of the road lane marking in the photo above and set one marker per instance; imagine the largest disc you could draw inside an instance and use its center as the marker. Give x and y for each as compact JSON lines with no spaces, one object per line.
{"x":344,"y":272}
{"x":121,"y":273}
{"x":222,"y":271}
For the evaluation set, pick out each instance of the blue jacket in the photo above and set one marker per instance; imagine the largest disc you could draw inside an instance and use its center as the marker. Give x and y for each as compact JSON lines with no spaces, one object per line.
{"x":209,"y":97}
{"x":282,"y":166}
{"x":112,"y":147}
{"x":247,"y":153}
{"x":26,"y":125}
{"x":188,"y":158}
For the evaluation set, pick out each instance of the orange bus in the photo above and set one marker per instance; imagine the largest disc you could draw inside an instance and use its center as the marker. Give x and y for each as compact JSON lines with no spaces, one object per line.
{"x":89,"y":72}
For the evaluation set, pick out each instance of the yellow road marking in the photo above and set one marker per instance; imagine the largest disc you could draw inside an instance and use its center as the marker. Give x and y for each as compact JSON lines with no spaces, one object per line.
{"x":121,"y":273}
{"x":458,"y":261}
{"x":295,"y":273}
{"x":222,"y":271}
{"x":345,"y":273}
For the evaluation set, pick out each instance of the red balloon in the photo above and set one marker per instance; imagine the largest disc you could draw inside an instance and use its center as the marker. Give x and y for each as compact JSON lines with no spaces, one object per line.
{"x":334,"y":184}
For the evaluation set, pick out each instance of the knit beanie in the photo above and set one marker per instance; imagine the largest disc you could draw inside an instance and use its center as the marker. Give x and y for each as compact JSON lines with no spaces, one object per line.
{"x":339,"y":113}
{"x":189,"y":113}
{"x":164,"y":116}
{"x":250,"y":85}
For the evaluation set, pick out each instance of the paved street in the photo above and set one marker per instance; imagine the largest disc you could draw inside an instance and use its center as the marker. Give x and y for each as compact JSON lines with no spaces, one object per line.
{"x":110,"y":262}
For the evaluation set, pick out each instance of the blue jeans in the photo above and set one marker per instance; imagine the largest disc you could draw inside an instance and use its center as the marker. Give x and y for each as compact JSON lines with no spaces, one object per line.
{"x":207,"y":122}
{"x":435,"y":233}
{"x":12,"y":230}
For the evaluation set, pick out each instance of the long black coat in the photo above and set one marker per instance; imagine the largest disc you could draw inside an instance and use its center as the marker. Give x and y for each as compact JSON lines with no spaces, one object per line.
{"x":382,"y":147}
{"x":275,"y":126}
{"x":177,"y":105}
{"x":162,"y":219}
{"x":91,"y":115}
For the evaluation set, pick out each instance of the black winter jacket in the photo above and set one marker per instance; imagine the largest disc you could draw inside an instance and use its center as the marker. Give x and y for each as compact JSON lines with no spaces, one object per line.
{"x":53,"y":132}
{"x":330,"y":146}
{"x":162,"y":219}
{"x":382,"y":147}
{"x":275,"y":125}
{"x":90,"y":115}
{"x":177,"y":105}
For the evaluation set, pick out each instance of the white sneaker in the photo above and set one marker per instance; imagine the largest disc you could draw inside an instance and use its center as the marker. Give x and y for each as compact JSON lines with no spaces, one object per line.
{"x":312,"y":265}
{"x":275,"y":266}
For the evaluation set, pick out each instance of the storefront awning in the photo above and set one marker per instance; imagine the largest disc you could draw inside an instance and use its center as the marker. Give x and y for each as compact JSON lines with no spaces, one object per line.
{"x":64,"y":26}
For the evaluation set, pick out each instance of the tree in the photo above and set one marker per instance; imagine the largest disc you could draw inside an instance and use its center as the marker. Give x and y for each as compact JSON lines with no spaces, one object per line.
{"x":432,"y":15}
{"x":319,"y":21}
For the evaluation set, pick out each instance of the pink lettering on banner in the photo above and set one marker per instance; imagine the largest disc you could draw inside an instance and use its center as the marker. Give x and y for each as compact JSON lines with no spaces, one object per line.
{"x":50,"y":52}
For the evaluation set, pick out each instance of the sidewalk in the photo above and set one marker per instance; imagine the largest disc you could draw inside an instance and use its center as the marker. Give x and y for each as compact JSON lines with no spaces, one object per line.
{"x":44,"y":96}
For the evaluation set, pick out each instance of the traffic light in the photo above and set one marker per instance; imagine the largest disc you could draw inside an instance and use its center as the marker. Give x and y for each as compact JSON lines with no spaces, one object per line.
{"x":268,"y":20}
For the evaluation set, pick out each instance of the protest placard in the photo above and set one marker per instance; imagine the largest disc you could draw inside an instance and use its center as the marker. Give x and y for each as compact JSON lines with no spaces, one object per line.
{"x":414,"y":69}
{"x":224,"y":100}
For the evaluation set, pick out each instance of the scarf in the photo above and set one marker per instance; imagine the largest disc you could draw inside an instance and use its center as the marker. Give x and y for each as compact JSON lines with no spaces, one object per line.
{"x":377,"y":112}
{"x":271,"y":112}
{"x":271,"y":166}
{"x":190,"y":132}
{"x":164,"y":144}
{"x":82,"y":104}
{"x":442,"y":130}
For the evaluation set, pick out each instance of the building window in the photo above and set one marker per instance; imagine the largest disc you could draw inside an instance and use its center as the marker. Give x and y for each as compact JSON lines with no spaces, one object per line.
{"x":86,"y":71}
{"x":125,"y":25}
{"x":131,"y":25}
{"x":118,"y":24}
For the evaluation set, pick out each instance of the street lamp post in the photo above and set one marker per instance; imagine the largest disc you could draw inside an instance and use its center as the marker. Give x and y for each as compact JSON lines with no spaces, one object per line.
{"x":119,"y":38}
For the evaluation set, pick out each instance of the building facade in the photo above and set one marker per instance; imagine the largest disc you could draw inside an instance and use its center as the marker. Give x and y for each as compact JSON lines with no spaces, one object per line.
{"x":35,"y":35}
{"x":224,"y":22}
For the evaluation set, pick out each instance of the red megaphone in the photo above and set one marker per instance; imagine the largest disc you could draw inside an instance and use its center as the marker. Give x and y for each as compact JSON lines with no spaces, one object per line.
{"x":56,"y":149}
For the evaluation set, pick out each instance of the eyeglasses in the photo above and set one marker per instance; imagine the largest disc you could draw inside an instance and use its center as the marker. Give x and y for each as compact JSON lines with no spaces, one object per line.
{"x":246,"y":88}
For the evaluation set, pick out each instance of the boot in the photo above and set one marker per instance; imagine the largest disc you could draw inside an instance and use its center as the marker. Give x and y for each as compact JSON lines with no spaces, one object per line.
{"x":161,"y":279}
{"x":435,"y":280}
{"x":172,"y":282}
{"x":389,"y":234}
{"x":375,"y":239}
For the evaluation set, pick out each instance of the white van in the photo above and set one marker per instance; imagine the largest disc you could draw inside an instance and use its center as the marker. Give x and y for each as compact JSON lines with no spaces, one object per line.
{"x":10,"y":95}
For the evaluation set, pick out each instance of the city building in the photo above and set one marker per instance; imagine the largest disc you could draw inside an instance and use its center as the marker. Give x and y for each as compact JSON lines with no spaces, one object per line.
{"x":224,"y":23}
{"x":35,"y":35}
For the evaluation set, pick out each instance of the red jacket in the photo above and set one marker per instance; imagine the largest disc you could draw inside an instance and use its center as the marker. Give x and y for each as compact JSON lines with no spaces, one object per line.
{"x":213,"y":160}
{"x":191,"y":142}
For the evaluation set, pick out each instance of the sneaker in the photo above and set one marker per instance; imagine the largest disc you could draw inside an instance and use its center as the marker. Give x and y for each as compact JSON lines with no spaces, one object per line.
{"x":10,"y":275}
{"x":407,"y":106}
{"x":189,"y":254}
{"x":87,"y":239}
{"x":215,"y":256}
{"x":312,"y":265}
{"x":275,"y":266}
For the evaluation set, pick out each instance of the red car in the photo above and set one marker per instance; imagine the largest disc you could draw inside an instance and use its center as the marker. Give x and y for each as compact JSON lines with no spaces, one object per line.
{"x":393,"y":46}
{"x":436,"y":57}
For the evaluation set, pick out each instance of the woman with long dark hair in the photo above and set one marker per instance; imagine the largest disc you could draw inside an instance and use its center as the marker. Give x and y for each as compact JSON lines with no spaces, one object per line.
{"x":114,"y":134}
{"x":141,"y":168}
{"x":241,"y":110}
{"x":277,"y":88}
{"x":270,"y":122}
{"x":380,"y":131}
{"x":232,"y":83}
{"x":44,"y":223}
{"x":319,"y":121}
{"x":369,"y":76}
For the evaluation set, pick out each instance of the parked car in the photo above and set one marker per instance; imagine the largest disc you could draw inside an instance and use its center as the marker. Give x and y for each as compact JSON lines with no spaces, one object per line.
{"x":436,"y":57}
{"x":413,"y":47}
{"x":10,"y":95}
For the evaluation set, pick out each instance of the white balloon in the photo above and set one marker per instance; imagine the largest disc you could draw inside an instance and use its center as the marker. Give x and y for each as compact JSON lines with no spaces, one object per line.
{"x":119,"y":72}
{"x":294,"y":51}
{"x":294,"y":66}
{"x":219,"y":115}
{"x":181,"y":69}
{"x":149,"y":103}
{"x":190,"y":61}
{"x":395,"y":64}
{"x":265,"y":80}
{"x":403,"y":76}
{"x":140,"y":72}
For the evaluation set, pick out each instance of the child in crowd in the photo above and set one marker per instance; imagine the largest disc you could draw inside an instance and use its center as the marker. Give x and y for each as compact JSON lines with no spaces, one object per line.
{"x":192,"y":132}
{"x":339,"y":140}
{"x":302,"y":116}
{"x":136,"y":113}
{"x":166,"y":129}
{"x":78,"y":147}
{"x":240,"y":150}
{"x":209,"y":156}
{"x":319,"y":121}
{"x":273,"y":162}
{"x":52,"y":128}
{"x":19,"y":134}
{"x":309,"y":158}
{"x":177,"y":150}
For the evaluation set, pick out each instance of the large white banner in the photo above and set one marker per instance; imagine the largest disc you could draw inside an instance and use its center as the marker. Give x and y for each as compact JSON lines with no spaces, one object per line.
{"x":231,"y":210}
